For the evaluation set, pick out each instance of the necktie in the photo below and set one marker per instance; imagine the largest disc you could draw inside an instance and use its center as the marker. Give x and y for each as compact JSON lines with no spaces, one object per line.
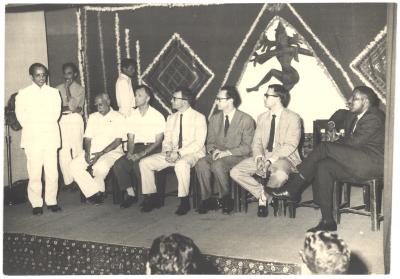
{"x":353,"y":125}
{"x":180,"y":132}
{"x":271,"y":134}
{"x":226,"y":127}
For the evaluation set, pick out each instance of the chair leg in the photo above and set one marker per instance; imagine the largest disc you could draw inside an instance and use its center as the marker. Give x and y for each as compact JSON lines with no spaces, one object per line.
{"x":336,"y":201}
{"x":280,"y":207}
{"x":366,"y":195}
{"x":160,"y":177}
{"x":244,"y":200}
{"x":292,"y":209}
{"x":374,"y":213}
{"x":235,"y":190}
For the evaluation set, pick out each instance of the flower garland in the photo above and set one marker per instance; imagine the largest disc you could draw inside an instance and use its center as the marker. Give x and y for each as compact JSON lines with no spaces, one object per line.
{"x":139,"y":70}
{"x":238,"y":51}
{"x":327,"y":52}
{"x":359,"y":57}
{"x":117,"y":39}
{"x":103,"y":64}
{"x":127,"y":48}
{"x":139,"y":6}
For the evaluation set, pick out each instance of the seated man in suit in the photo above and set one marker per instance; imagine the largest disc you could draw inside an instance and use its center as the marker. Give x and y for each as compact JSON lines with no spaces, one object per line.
{"x":275,"y":147}
{"x":102,"y":145}
{"x":145,"y":129}
{"x":183,"y":146}
{"x":230,"y":133}
{"x":359,"y":155}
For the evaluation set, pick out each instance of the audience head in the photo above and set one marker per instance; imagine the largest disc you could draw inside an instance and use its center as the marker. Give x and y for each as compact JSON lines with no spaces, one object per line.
{"x":102,"y":103}
{"x":70,"y":71}
{"x":143,"y":95}
{"x":181,"y":99}
{"x":363,"y":98}
{"x":128,"y":67}
{"x":228,"y":98}
{"x":325,"y":253}
{"x":276,"y":95}
{"x":38,"y":73}
{"x":173,"y":254}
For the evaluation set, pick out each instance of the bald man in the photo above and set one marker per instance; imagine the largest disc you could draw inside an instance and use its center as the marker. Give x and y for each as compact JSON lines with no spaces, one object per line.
{"x":102,"y":145}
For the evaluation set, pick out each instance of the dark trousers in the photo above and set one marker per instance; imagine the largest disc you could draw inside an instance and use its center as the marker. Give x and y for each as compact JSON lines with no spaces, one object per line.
{"x":127,"y":173}
{"x":220,"y":169}
{"x":331,"y":161}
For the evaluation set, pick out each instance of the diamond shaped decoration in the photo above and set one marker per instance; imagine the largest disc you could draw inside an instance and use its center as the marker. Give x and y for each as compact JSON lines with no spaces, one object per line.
{"x":177,"y":66}
{"x":370,"y":64}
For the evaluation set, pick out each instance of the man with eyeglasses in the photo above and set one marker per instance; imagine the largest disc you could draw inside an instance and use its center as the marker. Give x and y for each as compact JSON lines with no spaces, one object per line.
{"x":275,"y":147}
{"x":38,"y":109}
{"x":183,"y":146}
{"x":229,"y":137}
{"x":71,"y":122}
{"x":359,"y":155}
{"x":102,"y":147}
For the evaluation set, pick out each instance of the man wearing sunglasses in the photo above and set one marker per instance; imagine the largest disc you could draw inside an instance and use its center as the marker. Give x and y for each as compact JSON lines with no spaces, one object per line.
{"x":38,"y":109}
{"x":275,"y":147}
{"x":183,"y":146}
{"x":71,"y":122}
{"x":230,"y":133}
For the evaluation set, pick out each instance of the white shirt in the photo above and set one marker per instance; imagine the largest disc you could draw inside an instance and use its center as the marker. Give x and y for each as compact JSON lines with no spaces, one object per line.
{"x":77,"y":95}
{"x":124,"y":94}
{"x":103,"y":130}
{"x":38,"y":110}
{"x":146,"y":127}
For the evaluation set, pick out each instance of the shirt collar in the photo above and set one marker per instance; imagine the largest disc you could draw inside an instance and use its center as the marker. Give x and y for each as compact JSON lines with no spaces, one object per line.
{"x":230,"y":115}
{"x":187,"y":110}
{"x":361,"y":115}
{"x":278,"y":113}
{"x":37,"y":86}
{"x":125,"y":76}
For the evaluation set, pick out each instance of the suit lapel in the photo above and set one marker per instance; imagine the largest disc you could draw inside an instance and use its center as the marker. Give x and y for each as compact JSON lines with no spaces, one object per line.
{"x":265,"y":132}
{"x":234,"y":124}
{"x":282,"y":126}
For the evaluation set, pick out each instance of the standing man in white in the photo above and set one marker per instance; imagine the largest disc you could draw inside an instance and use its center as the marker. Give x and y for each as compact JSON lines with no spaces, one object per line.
{"x":123,"y":88}
{"x":183,"y":146}
{"x":71,"y":122}
{"x":38,"y":109}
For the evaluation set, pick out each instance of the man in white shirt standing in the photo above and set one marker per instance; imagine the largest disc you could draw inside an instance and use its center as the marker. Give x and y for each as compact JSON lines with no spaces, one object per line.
{"x":183,"y":146}
{"x":123,"y":87}
{"x":71,"y":122}
{"x":145,"y":129}
{"x":38,"y":109}
{"x":102,"y":145}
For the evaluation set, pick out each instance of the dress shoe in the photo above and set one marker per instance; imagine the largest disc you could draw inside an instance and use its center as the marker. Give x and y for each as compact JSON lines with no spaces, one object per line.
{"x":262,"y":211}
{"x":203,"y":207}
{"x":324,"y":226}
{"x":96,"y":199}
{"x":282,"y":194}
{"x":227,"y":205}
{"x":54,"y":208}
{"x":129,"y":201}
{"x":150,"y":203}
{"x":73,"y":187}
{"x":184,"y":207}
{"x":209,"y":204}
{"x":37,"y":211}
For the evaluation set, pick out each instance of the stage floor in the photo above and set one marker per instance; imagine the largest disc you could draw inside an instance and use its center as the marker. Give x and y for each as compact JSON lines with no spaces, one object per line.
{"x":239,"y":235}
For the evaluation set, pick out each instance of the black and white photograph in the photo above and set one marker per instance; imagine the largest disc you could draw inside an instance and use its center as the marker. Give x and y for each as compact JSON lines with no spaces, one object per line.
{"x":200,"y":138}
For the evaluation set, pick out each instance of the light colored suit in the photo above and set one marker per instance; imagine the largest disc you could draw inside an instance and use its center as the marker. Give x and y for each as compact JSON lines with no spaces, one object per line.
{"x":194,"y":132}
{"x":284,"y":156}
{"x":237,"y":141}
{"x":38,"y":110}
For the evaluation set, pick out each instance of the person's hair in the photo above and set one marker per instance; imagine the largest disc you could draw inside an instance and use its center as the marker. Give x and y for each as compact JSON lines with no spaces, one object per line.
{"x":72,"y":65}
{"x":369,"y":93}
{"x":174,"y":254}
{"x":325,"y":253}
{"x":232,"y":92}
{"x":146,"y":89}
{"x":103,"y":96}
{"x":186,"y":94}
{"x":126,"y":62}
{"x":282,"y":93}
{"x":37,"y":65}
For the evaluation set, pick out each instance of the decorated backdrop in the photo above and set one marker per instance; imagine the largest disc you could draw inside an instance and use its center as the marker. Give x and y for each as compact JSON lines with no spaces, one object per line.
{"x":317,"y":51}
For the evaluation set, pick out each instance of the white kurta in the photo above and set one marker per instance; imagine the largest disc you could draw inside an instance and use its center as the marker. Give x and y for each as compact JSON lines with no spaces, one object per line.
{"x":125,"y":95}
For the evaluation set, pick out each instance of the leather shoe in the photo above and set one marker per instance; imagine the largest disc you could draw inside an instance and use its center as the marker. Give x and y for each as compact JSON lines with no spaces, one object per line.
{"x":150,"y":203}
{"x":128,"y":202}
{"x":54,"y":208}
{"x":227,"y":205}
{"x":96,"y":199}
{"x":184,"y":207}
{"x":324,"y":226}
{"x":282,"y":194}
{"x":37,"y":211}
{"x":262,"y":211}
{"x":203,"y":207}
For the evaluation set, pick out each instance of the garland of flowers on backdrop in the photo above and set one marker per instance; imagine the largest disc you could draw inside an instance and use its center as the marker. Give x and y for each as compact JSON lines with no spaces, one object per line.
{"x":103,"y":64}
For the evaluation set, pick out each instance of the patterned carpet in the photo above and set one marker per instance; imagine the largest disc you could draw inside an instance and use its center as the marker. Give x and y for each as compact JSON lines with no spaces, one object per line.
{"x":37,"y":255}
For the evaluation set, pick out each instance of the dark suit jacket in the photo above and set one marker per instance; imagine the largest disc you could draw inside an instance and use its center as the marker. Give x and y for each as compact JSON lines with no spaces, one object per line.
{"x":239,"y":136}
{"x":369,"y":135}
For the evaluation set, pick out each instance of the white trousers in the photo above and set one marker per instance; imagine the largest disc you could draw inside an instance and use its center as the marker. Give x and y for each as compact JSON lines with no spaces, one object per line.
{"x":157,"y":162}
{"x":91,"y":185}
{"x":37,"y":159}
{"x":71,"y":126}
